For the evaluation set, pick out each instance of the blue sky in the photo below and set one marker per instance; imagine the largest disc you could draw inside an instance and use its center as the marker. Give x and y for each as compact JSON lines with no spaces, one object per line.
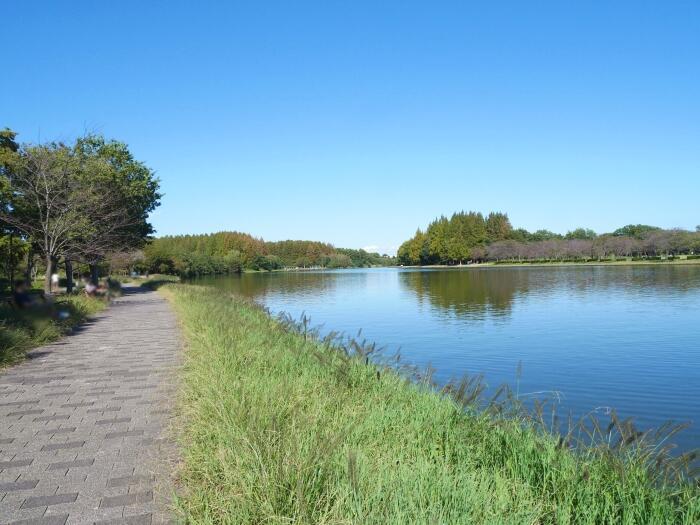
{"x":357,"y":122}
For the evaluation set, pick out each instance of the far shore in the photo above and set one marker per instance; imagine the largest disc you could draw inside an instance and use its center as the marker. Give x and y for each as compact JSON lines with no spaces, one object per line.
{"x":558,"y":263}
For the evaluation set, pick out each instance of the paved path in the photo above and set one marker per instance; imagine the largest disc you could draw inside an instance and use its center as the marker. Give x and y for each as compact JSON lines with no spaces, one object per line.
{"x":83,"y":422}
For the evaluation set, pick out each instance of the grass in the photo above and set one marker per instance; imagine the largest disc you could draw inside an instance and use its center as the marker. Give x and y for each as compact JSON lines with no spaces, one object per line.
{"x":23,"y":330}
{"x":279,"y":427}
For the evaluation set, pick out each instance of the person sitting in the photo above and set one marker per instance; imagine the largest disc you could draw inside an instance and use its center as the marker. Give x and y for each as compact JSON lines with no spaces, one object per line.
{"x":90,"y":288}
{"x":21,"y":297}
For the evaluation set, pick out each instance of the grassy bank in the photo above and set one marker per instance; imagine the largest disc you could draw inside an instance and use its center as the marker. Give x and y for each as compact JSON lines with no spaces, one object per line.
{"x":277,"y":427}
{"x":22,"y":330}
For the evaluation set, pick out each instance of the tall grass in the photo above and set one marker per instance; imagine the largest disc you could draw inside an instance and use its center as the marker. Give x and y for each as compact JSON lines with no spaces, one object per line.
{"x":22,"y":330}
{"x":278,"y":426}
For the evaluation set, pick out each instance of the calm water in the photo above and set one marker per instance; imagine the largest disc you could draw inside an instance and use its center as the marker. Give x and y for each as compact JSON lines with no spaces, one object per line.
{"x":620,"y":337}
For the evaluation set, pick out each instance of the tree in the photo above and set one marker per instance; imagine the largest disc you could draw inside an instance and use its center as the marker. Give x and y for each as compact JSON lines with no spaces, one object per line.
{"x":13,"y":250}
{"x":520,"y":235}
{"x":339,"y":261}
{"x":47,"y":204}
{"x":129,"y":191}
{"x":581,"y":234}
{"x":8,"y":161}
{"x":415,"y":250}
{"x":233,"y":262}
{"x":438,"y":239}
{"x":638,"y":231}
{"x":124,"y":262}
{"x":544,"y":235}
{"x":498,"y":227}
{"x":79,"y":202}
{"x":10,"y":245}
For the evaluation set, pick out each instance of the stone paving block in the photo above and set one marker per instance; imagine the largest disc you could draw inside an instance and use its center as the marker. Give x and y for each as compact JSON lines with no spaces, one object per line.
{"x":9,"y":475}
{"x":113,"y":421}
{"x":127,"y":433}
{"x":130,"y":480}
{"x":20,"y":403}
{"x":18,"y":485}
{"x":127,"y":499}
{"x":104,"y":409}
{"x":15,"y":464}
{"x":28,"y":412}
{"x":55,"y":417}
{"x":136,"y":519}
{"x":59,"y":446}
{"x":59,"y":430}
{"x":71,"y":464}
{"x":96,"y":515}
{"x":52,"y":519}
{"x":79,"y":404}
{"x":54,"y":499}
{"x":17,"y":515}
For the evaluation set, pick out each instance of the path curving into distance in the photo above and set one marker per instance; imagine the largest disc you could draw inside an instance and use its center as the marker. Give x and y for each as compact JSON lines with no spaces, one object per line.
{"x":84,"y":421}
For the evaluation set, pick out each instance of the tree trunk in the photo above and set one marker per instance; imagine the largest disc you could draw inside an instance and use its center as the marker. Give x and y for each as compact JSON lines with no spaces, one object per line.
{"x":47,"y":277}
{"x":69,"y":276}
{"x":94,"y":276}
{"x":28,"y":273}
{"x":12,"y":264}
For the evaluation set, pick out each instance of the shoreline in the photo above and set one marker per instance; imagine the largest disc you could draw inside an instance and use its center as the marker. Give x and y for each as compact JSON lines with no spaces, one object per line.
{"x":684,"y":262}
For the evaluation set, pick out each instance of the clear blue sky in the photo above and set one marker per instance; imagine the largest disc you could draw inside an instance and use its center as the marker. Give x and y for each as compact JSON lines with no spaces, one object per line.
{"x":356,"y":122}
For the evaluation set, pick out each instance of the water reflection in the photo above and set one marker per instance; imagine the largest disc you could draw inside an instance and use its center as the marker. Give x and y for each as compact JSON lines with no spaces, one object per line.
{"x":481,"y":293}
{"x":472,"y":294}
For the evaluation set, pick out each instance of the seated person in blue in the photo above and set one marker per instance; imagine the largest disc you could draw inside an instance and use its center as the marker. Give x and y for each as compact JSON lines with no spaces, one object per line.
{"x":21,"y":297}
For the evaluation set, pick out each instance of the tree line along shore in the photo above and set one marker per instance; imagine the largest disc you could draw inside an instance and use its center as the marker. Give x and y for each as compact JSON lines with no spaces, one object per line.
{"x":470,"y":237}
{"x":234,"y":252}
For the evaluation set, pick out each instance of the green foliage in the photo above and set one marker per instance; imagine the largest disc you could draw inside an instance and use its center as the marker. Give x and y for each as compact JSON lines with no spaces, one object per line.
{"x":8,"y":162}
{"x":130,"y":185}
{"x":13,"y":251}
{"x":278,"y":427}
{"x":339,"y":260}
{"x":637,"y":231}
{"x":498,"y":227}
{"x":453,"y":240}
{"x":543,"y":235}
{"x":581,"y":234}
{"x":231,"y":252}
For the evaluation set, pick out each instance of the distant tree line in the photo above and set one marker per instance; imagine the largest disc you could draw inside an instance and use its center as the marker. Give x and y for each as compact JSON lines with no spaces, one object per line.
{"x":472,"y":237}
{"x":233,"y":252}
{"x":70,"y":204}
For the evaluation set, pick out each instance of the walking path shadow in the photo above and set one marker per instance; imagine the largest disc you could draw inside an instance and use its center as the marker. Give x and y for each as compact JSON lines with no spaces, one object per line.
{"x":83,"y":421}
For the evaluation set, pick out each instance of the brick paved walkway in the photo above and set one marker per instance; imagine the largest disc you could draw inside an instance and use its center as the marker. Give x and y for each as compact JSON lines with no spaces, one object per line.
{"x":83,"y":423}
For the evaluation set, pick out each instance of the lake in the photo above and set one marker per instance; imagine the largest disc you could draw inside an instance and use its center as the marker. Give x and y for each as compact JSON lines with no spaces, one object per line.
{"x":622,"y":337}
